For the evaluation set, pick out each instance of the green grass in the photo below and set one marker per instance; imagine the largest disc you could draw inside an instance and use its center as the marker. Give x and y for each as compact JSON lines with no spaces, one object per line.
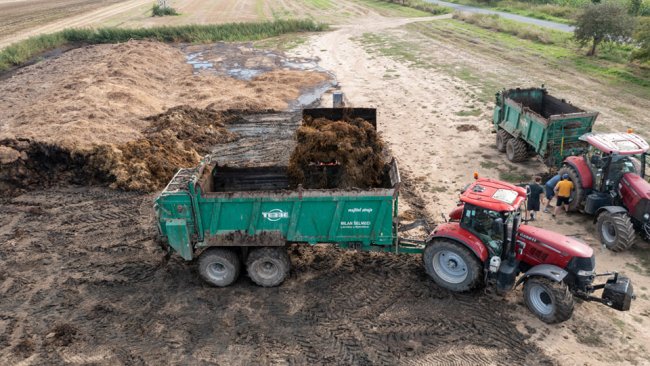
{"x":391,"y":47}
{"x":24,"y":51}
{"x":159,"y":11}
{"x":471,"y":112}
{"x":518,"y":29}
{"x":611,"y":63}
{"x":514,"y":176}
{"x":486,"y":164}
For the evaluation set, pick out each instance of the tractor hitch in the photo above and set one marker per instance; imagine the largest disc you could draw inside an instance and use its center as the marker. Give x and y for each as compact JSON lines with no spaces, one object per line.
{"x":618,"y":292}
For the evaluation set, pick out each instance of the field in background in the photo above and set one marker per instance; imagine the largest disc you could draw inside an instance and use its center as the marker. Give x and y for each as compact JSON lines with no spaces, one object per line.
{"x":18,"y":15}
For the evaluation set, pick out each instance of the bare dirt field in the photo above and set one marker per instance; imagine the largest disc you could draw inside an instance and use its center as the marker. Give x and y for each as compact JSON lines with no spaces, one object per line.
{"x":82,"y":281}
{"x":18,"y":15}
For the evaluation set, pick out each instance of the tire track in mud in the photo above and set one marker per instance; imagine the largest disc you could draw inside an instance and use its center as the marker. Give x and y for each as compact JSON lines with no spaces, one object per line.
{"x":84,"y":287}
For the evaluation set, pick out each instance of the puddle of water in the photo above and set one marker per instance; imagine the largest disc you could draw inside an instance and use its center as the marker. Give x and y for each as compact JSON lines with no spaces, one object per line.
{"x":245,"y":74}
{"x":197,"y":62}
{"x":246,"y":63}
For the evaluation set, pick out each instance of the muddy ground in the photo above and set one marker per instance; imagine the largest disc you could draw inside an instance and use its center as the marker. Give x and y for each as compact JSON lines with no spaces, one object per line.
{"x":83,"y":282}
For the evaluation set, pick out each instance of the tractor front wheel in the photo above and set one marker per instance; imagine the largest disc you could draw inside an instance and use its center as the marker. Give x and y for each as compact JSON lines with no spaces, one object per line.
{"x":502,"y":138}
{"x":550,"y":301}
{"x":268,"y":266}
{"x":516,"y":150}
{"x":616,"y":231}
{"x":578,"y":193}
{"x":219,"y":267}
{"x":451,"y":265}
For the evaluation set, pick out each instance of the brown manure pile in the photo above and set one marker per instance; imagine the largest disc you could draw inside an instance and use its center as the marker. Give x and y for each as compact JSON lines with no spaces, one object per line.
{"x":176,"y":138}
{"x":337,"y":154}
{"x":106,"y":114}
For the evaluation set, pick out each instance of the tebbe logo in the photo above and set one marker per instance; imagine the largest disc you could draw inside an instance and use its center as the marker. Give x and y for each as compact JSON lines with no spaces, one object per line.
{"x":275,"y":215}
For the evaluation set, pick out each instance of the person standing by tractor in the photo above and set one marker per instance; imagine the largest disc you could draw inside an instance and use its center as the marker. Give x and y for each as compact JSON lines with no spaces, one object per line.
{"x":550,"y":191}
{"x":563,"y":190}
{"x":535,"y":198}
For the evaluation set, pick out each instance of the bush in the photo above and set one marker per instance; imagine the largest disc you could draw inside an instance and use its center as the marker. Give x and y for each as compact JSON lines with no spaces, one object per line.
{"x":428,"y":7}
{"x":642,"y":37}
{"x":23,"y":51}
{"x":159,"y":11}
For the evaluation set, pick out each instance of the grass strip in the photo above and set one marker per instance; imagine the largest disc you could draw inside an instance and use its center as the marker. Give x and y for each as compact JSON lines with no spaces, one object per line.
{"x":24,"y":51}
{"x":520,"y":30}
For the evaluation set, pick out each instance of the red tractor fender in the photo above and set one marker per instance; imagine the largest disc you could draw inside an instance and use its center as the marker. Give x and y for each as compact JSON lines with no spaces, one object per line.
{"x":580,"y":165}
{"x":453,"y":231}
{"x":456,"y":213}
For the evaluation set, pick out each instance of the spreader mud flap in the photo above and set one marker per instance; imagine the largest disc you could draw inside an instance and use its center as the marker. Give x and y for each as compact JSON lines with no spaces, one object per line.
{"x":179,"y":237}
{"x":618,"y":293}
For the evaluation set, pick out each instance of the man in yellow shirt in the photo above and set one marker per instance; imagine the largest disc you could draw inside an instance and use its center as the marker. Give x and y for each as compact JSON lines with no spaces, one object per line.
{"x":563,"y":190}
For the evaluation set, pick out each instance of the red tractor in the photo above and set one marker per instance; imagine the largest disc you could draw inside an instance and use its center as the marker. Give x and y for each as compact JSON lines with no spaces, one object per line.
{"x":484,"y":243}
{"x":609,"y":184}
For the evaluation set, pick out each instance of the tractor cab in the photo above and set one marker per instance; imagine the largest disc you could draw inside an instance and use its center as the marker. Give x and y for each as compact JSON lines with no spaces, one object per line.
{"x":491,"y":213}
{"x":611,"y":155}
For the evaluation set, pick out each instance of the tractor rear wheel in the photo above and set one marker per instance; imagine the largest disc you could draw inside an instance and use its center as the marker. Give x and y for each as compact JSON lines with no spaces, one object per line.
{"x":502,"y":138}
{"x":268,"y":266}
{"x":616,"y":231}
{"x":219,"y":267}
{"x":578,"y":193}
{"x":451,"y":265}
{"x":550,"y":301}
{"x":516,"y":150}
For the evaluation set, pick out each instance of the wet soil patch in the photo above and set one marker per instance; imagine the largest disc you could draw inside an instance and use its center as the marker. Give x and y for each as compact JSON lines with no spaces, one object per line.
{"x":106,"y":281}
{"x":466,"y":127}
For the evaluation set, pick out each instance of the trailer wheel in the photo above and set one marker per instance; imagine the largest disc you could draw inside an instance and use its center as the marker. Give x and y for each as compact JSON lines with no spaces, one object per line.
{"x":616,"y":231}
{"x":219,"y":267}
{"x":268,"y":266}
{"x":502,"y":138}
{"x":550,"y":301}
{"x":516,"y":150}
{"x":451,"y":265}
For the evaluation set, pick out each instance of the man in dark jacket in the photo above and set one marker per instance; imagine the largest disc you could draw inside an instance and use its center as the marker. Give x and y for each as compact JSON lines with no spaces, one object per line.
{"x":535,"y":198}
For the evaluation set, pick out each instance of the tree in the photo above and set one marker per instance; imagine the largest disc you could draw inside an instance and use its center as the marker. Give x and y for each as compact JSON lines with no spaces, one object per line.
{"x":642,"y":38}
{"x":603,"y":22}
{"x":635,"y":7}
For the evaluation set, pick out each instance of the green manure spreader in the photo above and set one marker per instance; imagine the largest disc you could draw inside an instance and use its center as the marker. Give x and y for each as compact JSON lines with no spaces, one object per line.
{"x":531,"y":122}
{"x":250,"y":212}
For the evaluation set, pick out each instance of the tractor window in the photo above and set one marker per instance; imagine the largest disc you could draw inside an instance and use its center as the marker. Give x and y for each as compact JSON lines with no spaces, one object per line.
{"x":483,"y":223}
{"x":622,"y":164}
